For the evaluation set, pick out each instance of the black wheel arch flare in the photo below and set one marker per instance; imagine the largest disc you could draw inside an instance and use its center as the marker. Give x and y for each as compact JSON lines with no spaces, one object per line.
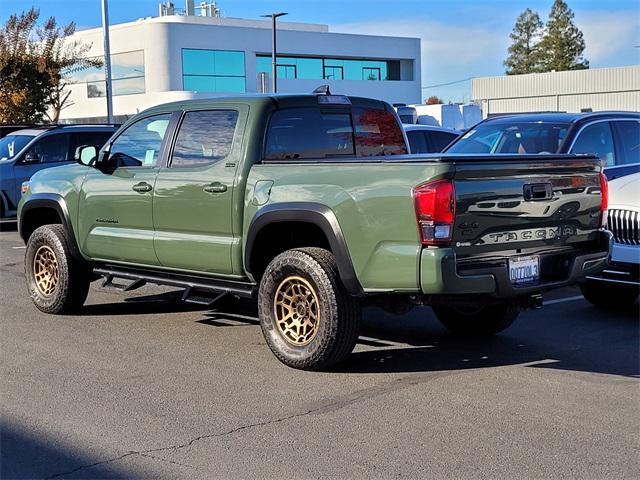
{"x":50,"y":201}
{"x":314,"y":213}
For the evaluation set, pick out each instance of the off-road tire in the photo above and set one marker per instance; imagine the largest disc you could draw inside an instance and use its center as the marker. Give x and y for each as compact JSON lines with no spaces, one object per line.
{"x":611,"y":296}
{"x":480,"y":320}
{"x":339,"y":312}
{"x":73,"y":277}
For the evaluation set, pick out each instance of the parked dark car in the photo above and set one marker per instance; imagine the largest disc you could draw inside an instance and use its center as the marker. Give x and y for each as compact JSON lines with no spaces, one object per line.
{"x":24,"y":152}
{"x":613,"y":136}
{"x":429,"y":139}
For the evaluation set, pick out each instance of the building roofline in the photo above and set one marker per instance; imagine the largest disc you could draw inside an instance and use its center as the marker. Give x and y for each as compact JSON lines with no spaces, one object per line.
{"x":230,"y":22}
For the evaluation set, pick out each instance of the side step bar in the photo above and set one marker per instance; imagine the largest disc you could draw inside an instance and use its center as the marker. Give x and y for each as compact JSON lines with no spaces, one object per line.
{"x":191,"y":284}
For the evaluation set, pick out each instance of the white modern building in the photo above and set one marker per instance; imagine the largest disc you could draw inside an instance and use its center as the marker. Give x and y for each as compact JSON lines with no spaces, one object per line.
{"x":174,"y":57}
{"x":572,"y":91}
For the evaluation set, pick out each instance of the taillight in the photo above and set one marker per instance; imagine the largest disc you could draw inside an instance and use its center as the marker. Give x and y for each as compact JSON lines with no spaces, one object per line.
{"x":435,"y":204}
{"x":604,"y":188}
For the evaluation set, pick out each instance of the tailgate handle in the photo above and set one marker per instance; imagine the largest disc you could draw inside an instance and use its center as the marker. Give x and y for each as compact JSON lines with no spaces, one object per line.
{"x":537,"y":191}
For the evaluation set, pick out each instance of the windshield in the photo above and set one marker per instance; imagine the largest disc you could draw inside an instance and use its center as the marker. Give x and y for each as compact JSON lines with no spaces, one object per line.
{"x":494,"y":137}
{"x":11,"y":145}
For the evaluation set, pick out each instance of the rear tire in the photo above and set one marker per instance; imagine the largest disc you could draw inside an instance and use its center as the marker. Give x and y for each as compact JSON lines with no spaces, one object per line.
{"x":308,"y":319}
{"x":479,"y":320}
{"x":57,"y":282}
{"x":602,"y":294}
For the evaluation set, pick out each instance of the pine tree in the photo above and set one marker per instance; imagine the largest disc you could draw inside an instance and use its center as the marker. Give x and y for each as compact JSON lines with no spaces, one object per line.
{"x":524,"y":53}
{"x":563,"y":44}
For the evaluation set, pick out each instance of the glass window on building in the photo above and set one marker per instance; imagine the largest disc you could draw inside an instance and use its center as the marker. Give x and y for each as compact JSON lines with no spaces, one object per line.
{"x":333,"y":73}
{"x":331,"y":68}
{"x":213,"y":71}
{"x":127,"y":75}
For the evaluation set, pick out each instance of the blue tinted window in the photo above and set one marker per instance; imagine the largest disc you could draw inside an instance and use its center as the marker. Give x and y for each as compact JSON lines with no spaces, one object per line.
{"x":213,"y":71}
{"x":229,"y":63}
{"x":286,"y":71}
{"x":198,"y":62}
{"x":333,"y":73}
{"x":334,"y":68}
{"x":230,"y":84}
{"x":309,"y":68}
{"x":263,"y":64}
{"x":199,"y":83}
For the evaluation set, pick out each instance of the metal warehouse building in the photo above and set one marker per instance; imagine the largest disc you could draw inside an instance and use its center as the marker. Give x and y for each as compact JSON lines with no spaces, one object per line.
{"x":572,"y":91}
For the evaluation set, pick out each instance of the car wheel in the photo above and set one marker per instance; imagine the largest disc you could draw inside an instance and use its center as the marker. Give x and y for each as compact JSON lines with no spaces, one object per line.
{"x":477,"y":320}
{"x":308,"y":318}
{"x":57,"y":282}
{"x":602,"y":294}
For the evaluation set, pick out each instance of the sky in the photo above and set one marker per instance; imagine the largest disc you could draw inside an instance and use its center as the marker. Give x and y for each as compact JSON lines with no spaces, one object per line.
{"x":460,"y":39}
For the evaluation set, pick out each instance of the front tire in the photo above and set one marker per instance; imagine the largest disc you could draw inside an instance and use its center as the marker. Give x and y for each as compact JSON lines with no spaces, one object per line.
{"x":308,"y":319}
{"x":602,"y":294}
{"x":477,"y":320}
{"x":57,"y":282}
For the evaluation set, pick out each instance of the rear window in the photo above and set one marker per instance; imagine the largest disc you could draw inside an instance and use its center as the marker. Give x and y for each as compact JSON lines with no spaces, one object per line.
{"x":312,"y":133}
{"x":439,"y":140}
{"x":516,"y":138}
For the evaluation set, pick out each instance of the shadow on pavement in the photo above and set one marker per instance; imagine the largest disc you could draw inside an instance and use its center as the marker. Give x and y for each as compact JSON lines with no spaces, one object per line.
{"x":569,"y":336}
{"x":574,"y":337}
{"x":24,"y":454}
{"x":168,"y":302}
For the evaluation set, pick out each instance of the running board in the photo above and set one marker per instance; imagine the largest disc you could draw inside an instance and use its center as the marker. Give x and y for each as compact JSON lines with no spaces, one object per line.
{"x":192,"y":284}
{"x":133,"y":285}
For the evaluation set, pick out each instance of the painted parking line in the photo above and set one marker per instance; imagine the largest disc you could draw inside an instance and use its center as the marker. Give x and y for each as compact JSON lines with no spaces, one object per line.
{"x":19,"y":248}
{"x":562,"y":300}
{"x":388,"y":343}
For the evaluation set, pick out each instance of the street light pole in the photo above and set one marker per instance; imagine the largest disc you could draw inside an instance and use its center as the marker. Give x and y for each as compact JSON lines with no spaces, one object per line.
{"x":274,"y":79}
{"x":107,"y":60}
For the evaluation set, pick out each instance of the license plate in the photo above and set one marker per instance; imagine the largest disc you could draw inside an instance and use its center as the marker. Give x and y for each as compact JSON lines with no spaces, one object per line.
{"x":524,"y":269}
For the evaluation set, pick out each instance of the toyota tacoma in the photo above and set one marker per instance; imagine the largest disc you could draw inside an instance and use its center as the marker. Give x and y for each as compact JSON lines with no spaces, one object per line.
{"x":313,"y":205}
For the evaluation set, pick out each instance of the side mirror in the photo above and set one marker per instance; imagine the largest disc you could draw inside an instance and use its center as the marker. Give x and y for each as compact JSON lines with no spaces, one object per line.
{"x":31,"y":157}
{"x":86,"y":155}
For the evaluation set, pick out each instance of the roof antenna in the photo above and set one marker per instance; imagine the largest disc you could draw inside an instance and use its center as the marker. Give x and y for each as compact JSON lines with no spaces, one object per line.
{"x":322,"y":90}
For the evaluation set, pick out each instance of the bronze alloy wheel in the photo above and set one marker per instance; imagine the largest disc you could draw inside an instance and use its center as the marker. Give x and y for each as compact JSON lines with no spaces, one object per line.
{"x":45,"y":270}
{"x":297,"y":311}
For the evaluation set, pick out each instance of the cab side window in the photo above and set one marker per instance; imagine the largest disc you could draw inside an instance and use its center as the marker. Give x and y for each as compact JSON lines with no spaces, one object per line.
{"x":139,"y":145}
{"x":597,"y":139}
{"x":54,"y":148}
{"x":205,"y":137}
{"x":628,"y":134}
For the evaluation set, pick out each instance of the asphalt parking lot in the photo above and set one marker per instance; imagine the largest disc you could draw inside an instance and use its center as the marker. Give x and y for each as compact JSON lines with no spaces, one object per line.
{"x":139,"y":386}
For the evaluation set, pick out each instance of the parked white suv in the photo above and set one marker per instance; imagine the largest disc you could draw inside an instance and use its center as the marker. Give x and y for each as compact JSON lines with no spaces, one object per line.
{"x":619,"y":284}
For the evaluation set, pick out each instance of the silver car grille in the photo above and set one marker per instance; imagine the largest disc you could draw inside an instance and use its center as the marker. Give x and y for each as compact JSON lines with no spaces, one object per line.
{"x":625,"y":226}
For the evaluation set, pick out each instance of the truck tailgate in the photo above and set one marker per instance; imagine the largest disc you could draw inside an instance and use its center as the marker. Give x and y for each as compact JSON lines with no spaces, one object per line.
{"x":523,"y":203}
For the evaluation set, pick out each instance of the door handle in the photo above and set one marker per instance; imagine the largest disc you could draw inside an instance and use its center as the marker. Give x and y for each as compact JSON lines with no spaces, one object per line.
{"x":142,"y":187}
{"x":215,"y":187}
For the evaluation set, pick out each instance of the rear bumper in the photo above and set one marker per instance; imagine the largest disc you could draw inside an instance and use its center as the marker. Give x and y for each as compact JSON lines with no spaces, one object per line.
{"x":441,"y":273}
{"x":623,"y":274}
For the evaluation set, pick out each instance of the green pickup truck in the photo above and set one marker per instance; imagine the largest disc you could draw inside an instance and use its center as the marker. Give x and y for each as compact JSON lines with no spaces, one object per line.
{"x":313,"y":205}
